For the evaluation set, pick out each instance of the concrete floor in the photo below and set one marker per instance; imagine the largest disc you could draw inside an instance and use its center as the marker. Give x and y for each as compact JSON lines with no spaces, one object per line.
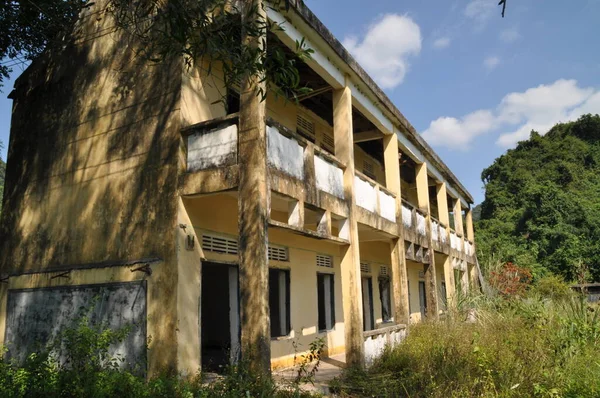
{"x":329,"y":369}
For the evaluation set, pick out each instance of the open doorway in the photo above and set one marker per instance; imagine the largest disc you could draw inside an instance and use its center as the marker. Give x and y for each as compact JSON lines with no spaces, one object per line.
{"x":220,"y":316}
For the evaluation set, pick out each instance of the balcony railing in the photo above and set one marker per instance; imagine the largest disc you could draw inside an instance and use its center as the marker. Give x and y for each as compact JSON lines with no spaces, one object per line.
{"x":435,"y":230}
{"x":373,"y":197}
{"x":288,"y":152}
{"x":212,"y":144}
{"x":421,"y":223}
{"x":407,"y":214}
{"x":375,"y":341}
{"x":469,"y":248}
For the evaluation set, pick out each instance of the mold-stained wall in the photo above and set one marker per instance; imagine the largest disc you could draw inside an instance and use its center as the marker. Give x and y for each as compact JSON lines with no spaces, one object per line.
{"x":93,"y":167}
{"x":36,"y":317}
{"x":217,"y":215}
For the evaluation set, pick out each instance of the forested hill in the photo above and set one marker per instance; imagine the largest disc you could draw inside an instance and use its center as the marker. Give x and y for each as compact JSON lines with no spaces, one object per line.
{"x":542,"y":203}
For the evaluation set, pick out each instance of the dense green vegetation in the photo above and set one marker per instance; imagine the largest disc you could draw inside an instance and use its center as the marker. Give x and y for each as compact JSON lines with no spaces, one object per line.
{"x":87,"y":369}
{"x":531,"y":346}
{"x":542,"y":203}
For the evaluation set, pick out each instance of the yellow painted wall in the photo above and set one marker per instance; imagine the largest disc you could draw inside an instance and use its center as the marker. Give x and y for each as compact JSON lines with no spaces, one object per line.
{"x":413,"y":269}
{"x":377,"y":254}
{"x":218,"y":213}
{"x":202,"y":94}
{"x":359,"y":158}
{"x":93,"y":167}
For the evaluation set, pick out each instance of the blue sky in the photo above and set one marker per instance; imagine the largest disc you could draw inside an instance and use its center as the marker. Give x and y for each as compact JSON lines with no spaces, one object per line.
{"x":471,"y":82}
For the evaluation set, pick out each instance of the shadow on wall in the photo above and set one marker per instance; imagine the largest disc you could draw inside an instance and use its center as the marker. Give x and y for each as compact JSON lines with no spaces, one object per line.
{"x":92,"y":166}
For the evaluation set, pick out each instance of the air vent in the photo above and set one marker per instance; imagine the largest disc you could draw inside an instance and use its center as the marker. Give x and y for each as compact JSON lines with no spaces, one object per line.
{"x":384,"y":271}
{"x":306,"y":127}
{"x":278,"y":253}
{"x":327,"y":143}
{"x":369,"y":169}
{"x":219,"y":244}
{"x":324,"y":260}
{"x":366,"y":268}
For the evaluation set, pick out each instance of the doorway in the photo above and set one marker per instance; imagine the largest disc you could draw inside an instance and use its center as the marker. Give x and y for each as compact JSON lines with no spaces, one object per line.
{"x":220,"y":316}
{"x":422,"y":299}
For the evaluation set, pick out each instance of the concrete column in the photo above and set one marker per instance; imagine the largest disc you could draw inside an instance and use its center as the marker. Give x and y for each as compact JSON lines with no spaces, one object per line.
{"x":253,"y":212}
{"x":469,"y":227}
{"x":458,"y":222}
{"x":443,"y":216}
{"x":399,"y":273}
{"x":351,"y":281}
{"x":189,"y":285}
{"x":430,"y":274}
{"x":442,"y":201}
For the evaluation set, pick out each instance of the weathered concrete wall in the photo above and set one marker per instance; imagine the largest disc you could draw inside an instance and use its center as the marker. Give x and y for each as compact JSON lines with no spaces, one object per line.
{"x":93,"y":166}
{"x":285,"y":153}
{"x":36,"y":317}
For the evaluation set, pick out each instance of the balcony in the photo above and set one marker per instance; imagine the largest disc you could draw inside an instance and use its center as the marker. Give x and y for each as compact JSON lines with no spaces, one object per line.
{"x":439,"y":236}
{"x":376,"y":205}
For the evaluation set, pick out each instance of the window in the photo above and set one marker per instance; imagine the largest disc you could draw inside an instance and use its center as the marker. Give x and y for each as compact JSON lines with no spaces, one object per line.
{"x":324,"y":260}
{"x":409,"y":300}
{"x":279,"y":302}
{"x":386,"y":299}
{"x":444,"y":294}
{"x":422,"y":299}
{"x":326,"y":302}
{"x":367,"y":300}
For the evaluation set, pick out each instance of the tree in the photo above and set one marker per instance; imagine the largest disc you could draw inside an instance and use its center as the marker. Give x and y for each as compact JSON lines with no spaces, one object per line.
{"x":541,"y":202}
{"x":192,"y":28}
{"x":195,"y":29}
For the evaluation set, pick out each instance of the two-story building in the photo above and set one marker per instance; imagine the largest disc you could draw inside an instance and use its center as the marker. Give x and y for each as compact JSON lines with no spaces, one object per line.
{"x":222,"y":228}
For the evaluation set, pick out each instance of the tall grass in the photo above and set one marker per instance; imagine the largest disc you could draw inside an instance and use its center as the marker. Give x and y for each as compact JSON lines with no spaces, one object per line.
{"x":524,"y":347}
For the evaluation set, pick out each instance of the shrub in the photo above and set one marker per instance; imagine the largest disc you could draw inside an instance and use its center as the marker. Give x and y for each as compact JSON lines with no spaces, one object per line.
{"x":511,"y":280}
{"x":86,"y":369}
{"x":552,"y":287}
{"x":517,"y":348}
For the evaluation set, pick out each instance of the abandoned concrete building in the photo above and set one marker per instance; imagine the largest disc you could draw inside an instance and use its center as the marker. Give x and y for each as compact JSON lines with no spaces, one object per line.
{"x":218,"y":230}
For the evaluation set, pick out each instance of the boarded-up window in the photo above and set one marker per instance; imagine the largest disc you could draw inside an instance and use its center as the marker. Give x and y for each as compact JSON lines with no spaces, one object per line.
{"x":36,"y":317}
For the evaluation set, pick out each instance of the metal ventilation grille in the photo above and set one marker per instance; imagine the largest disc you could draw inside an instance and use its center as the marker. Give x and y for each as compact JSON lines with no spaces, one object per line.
{"x":364,"y":267}
{"x":369,"y":169}
{"x":305,"y":127}
{"x":278,"y":253}
{"x":327,"y":143}
{"x":219,"y":244}
{"x":383,"y":270}
{"x":324,"y":261}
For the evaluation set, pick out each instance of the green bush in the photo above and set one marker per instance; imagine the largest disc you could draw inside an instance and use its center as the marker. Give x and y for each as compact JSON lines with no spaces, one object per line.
{"x":517,"y":348}
{"x":552,"y":287}
{"x":86,"y":369}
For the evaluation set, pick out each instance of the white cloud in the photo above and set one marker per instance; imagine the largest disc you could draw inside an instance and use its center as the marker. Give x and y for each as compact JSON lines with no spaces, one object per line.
{"x":510,"y":35}
{"x":541,"y":107}
{"x":480,"y":11}
{"x":442,"y":42}
{"x":386,"y":47}
{"x":538,"y":108}
{"x":458,"y":134}
{"x":491,"y":62}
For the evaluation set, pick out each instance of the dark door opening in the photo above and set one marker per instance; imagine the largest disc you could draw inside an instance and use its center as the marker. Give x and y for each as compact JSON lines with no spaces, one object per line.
{"x":219,"y":316}
{"x":422,"y":299}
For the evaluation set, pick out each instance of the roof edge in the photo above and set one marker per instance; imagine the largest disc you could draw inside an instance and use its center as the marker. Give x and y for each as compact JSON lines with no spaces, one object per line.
{"x":314,"y":22}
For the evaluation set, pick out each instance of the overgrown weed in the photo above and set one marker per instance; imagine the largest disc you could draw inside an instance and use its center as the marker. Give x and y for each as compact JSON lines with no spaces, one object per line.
{"x":531,"y":346}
